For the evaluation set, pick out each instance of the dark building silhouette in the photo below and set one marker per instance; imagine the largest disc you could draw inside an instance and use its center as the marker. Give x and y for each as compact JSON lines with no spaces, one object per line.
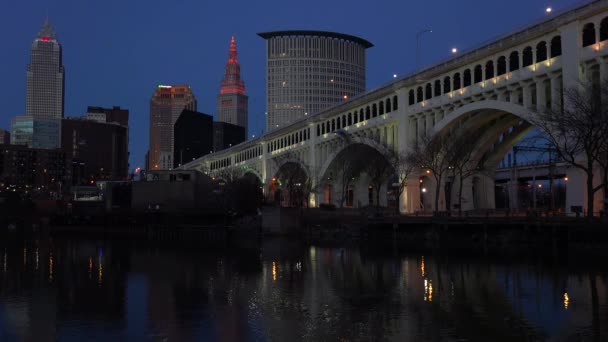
{"x":98,"y":150}
{"x":115,"y":114}
{"x":193,"y":136}
{"x":5,"y":137}
{"x":25,"y":169}
{"x":226,"y":135}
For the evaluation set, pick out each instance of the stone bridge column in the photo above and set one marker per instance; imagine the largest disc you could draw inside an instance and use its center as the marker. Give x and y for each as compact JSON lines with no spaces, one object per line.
{"x":527,"y":95}
{"x":571,"y":47}
{"x":603,"y":74}
{"x":484,"y":191}
{"x":313,"y":201}
{"x":513,"y":190}
{"x":514,"y":94}
{"x":467,"y":194}
{"x":421,"y":129}
{"x":502,"y":95}
{"x":556,"y":93}
{"x":265,"y":175}
{"x":575,"y":189}
{"x":429,"y":122}
{"x":541,"y":95}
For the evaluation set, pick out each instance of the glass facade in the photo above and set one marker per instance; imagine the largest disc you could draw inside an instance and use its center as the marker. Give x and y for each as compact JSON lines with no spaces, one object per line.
{"x":22,"y":130}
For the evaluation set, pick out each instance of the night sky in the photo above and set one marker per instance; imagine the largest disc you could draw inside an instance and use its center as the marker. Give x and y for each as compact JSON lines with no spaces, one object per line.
{"x":115,"y":51}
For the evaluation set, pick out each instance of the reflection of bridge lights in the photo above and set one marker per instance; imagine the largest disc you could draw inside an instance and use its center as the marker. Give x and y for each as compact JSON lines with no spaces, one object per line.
{"x":274,"y":271}
{"x":430,"y":296}
{"x":422,"y":266}
{"x":566,"y":300}
{"x":50,"y":267}
{"x":423,"y":189}
{"x":100,"y":272}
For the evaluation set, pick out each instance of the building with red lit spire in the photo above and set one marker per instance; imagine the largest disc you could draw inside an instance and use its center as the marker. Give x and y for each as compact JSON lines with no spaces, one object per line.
{"x":232,"y":102}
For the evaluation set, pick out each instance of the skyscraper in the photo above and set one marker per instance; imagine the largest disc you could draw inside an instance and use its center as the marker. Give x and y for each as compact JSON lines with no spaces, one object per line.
{"x":308,"y":71}
{"x":45,"y":89}
{"x":166,"y":105}
{"x":232,"y":102}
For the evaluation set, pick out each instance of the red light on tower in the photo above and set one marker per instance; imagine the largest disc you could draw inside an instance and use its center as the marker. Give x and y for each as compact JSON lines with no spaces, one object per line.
{"x":232,"y":83}
{"x":45,"y":39}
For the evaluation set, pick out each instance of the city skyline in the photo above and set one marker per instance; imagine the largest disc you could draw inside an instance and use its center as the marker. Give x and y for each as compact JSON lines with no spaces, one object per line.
{"x":123,"y":77}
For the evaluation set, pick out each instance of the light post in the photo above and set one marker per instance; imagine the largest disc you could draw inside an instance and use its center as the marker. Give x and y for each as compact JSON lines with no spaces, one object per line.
{"x":418,"y":35}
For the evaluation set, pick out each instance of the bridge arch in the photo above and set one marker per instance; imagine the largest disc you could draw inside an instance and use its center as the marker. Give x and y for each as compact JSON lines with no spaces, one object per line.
{"x":287,"y":185}
{"x":254,"y":173}
{"x":497,"y":126}
{"x":381,"y":149}
{"x":487,"y":105}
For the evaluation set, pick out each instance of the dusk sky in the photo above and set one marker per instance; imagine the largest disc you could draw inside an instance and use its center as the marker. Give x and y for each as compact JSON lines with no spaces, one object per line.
{"x":115,"y":52}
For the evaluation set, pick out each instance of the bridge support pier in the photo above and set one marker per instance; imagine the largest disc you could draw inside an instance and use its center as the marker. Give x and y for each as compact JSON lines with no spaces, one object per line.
{"x":513,"y":189}
{"x":484,"y":192}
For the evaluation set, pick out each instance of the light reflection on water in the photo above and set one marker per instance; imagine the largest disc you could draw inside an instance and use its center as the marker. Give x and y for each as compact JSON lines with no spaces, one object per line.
{"x":117,"y":290}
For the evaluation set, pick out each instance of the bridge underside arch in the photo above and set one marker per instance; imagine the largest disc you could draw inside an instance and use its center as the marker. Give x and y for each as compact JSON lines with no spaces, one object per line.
{"x":357,"y":175}
{"x":493,"y":128}
{"x":290,"y":185}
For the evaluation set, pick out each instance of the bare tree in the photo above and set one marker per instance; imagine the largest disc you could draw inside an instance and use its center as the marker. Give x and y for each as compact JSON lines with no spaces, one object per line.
{"x":292,"y":177}
{"x":578,"y":132}
{"x":431,"y":153}
{"x":459,"y":155}
{"x":403,"y":164}
{"x":378,"y":169}
{"x":225,"y":187}
{"x":345,"y":171}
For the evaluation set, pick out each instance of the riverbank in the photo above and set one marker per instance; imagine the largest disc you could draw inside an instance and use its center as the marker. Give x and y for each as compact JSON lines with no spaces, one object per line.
{"x":334,"y":227}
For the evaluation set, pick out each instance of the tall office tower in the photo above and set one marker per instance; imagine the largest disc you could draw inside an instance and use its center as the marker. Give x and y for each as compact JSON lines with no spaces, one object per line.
{"x":45,"y":89}
{"x":166,"y":105}
{"x":232,"y":102}
{"x":308,"y":71}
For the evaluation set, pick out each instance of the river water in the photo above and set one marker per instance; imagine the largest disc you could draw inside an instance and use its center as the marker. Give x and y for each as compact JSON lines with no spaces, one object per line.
{"x":278,"y":290}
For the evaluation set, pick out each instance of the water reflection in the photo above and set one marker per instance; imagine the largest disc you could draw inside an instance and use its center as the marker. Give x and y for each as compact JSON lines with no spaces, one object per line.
{"x":117,"y":290}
